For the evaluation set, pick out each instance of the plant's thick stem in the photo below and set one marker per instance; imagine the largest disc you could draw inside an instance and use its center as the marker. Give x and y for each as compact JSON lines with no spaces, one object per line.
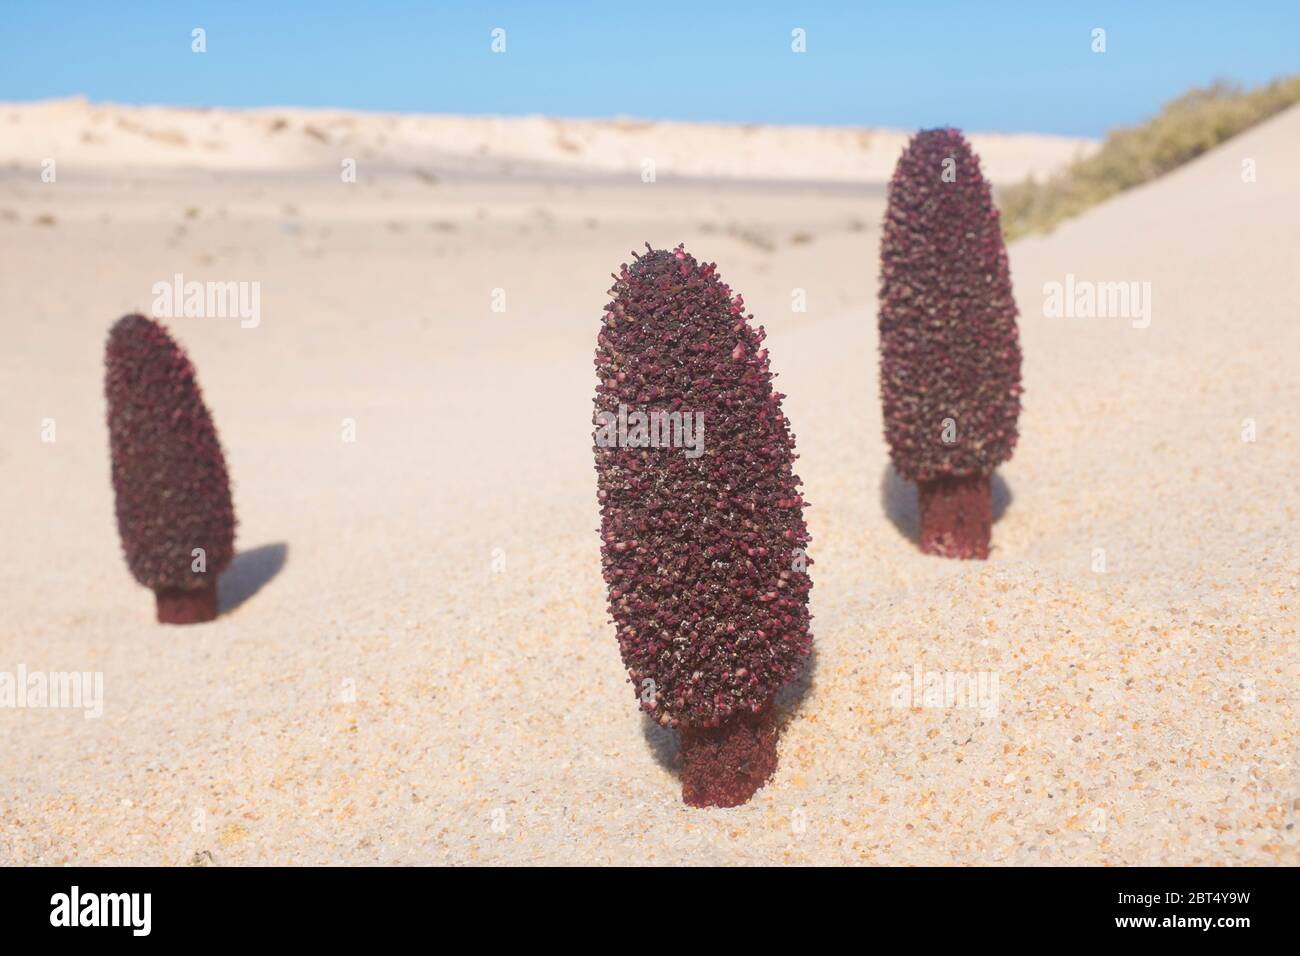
{"x":723,"y":766}
{"x":956,"y":516}
{"x":180,"y":606}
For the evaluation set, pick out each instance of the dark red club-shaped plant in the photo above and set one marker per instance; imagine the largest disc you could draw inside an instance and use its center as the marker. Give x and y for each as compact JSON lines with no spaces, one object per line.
{"x":704,"y":557}
{"x":949,"y":346}
{"x":174,"y":513}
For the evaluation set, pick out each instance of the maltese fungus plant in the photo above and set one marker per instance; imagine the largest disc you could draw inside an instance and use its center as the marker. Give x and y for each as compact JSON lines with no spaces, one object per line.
{"x":703,"y":537}
{"x":173,"y":497}
{"x":949,"y":347}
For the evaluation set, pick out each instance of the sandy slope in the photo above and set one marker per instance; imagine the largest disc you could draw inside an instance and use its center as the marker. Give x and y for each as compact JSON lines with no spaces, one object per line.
{"x":445,"y":565}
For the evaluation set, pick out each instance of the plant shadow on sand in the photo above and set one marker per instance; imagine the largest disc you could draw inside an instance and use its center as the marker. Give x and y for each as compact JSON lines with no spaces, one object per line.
{"x":898,"y":498}
{"x":663,"y":742}
{"x":249,"y":573}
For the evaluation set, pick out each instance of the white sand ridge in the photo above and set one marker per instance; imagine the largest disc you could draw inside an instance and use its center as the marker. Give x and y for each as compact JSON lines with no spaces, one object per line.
{"x":77,"y":131}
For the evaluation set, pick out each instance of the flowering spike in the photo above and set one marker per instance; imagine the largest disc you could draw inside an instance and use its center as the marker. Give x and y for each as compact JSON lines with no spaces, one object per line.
{"x":703,"y":554}
{"x":174,"y":513}
{"x":949,"y":346}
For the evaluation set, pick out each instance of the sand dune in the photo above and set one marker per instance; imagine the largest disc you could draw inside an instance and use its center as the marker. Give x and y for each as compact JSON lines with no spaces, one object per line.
{"x":415,"y":664}
{"x":83,"y":134}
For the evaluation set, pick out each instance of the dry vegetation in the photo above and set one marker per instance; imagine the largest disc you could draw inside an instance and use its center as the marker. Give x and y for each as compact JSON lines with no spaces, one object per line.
{"x":1185,"y":128}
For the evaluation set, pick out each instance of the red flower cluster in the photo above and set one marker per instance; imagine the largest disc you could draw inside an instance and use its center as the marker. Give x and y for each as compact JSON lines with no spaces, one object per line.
{"x":703,"y":556}
{"x":949,"y":346}
{"x":169,"y":476}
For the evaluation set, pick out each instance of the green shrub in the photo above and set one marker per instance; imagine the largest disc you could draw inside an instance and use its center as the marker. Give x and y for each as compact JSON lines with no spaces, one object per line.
{"x":1184,"y":128}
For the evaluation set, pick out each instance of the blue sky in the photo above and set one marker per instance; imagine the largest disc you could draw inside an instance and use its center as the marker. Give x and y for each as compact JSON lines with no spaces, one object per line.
{"x":1019,"y":66}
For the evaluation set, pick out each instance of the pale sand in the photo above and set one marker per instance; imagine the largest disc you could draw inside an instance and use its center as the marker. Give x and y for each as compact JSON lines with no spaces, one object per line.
{"x":1145,"y":714}
{"x":76,"y":131}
